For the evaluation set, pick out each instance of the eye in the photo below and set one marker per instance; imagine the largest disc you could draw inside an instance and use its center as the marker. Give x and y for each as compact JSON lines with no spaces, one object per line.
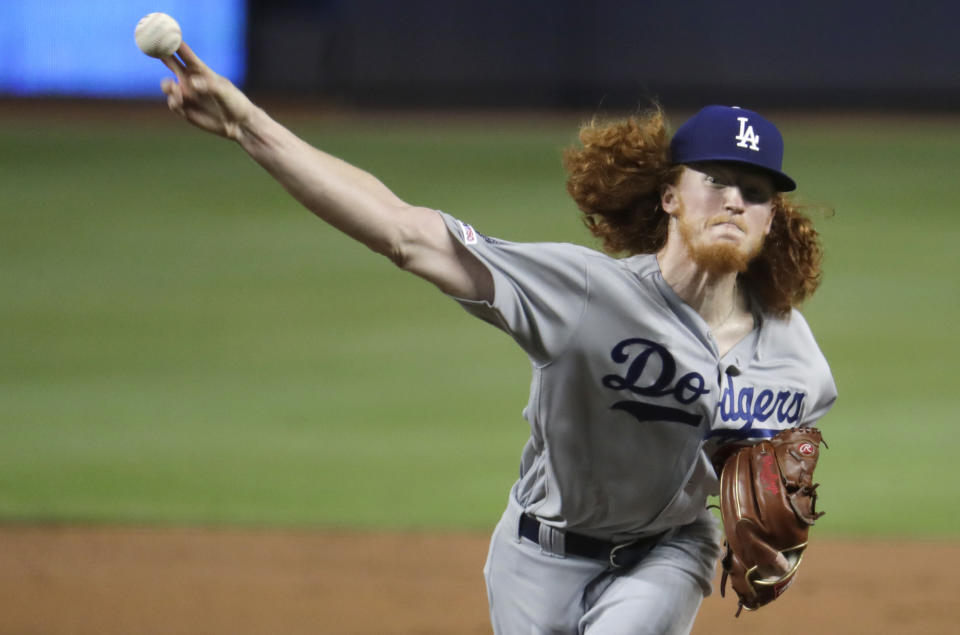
{"x":712,"y":180}
{"x":757,"y":194}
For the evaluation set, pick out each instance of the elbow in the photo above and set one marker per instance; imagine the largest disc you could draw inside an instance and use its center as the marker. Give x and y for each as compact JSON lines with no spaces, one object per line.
{"x":399,"y":246}
{"x":398,"y":253}
{"x":411,"y":239}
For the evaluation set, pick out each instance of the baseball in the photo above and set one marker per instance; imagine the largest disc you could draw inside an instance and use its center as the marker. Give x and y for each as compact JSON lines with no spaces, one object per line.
{"x":158,"y":35}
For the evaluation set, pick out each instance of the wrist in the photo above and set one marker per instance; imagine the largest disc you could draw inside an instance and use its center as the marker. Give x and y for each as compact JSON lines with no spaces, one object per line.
{"x":249,"y":129}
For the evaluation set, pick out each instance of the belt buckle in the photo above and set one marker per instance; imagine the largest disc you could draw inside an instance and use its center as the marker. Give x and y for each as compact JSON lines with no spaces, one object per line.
{"x":616,"y":549}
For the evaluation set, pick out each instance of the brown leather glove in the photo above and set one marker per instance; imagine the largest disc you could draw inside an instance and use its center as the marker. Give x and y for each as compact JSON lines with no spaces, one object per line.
{"x":768,"y":504}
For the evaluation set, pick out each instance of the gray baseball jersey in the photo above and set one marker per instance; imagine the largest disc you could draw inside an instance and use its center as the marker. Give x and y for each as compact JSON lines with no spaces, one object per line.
{"x":629,"y":393}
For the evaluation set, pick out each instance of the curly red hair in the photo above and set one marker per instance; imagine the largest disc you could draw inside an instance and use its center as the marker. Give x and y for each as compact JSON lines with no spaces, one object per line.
{"x":616,"y":177}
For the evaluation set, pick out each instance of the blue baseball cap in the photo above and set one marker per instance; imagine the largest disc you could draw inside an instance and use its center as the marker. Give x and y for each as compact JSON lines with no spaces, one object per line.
{"x":729,"y":133}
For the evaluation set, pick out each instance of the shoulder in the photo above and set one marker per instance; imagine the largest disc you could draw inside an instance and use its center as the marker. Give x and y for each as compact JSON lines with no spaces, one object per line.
{"x":642,"y":265}
{"x":477,"y":241}
{"x":790,"y":335}
{"x":792,"y":325}
{"x":789,"y":344}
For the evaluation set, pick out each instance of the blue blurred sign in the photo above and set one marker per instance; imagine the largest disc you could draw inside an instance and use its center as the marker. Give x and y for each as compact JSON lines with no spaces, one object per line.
{"x":86,"y":47}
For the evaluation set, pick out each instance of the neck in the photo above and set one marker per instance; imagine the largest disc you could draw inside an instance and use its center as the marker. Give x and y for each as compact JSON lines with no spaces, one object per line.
{"x":715,"y":296}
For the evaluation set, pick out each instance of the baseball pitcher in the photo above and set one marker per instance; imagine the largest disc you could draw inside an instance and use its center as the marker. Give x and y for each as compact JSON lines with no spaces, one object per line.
{"x":653,"y":367}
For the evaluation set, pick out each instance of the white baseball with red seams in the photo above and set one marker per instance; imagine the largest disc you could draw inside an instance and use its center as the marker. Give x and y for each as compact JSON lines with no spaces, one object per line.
{"x":158,"y":35}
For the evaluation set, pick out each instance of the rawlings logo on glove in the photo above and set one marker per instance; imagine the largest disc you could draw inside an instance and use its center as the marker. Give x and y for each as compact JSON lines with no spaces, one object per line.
{"x":768,"y":504}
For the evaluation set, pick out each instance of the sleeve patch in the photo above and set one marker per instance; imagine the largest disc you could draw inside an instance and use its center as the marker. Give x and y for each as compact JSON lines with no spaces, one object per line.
{"x":468,"y":234}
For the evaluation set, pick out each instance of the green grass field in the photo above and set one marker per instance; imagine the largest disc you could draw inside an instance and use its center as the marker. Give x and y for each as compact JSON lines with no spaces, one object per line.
{"x":181,"y":343}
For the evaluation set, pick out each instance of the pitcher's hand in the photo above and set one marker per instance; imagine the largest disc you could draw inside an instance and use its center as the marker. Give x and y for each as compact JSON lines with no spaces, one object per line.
{"x":204,"y":98}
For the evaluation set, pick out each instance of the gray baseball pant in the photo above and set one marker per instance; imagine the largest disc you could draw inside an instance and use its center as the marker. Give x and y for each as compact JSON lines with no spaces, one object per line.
{"x":533,"y":591}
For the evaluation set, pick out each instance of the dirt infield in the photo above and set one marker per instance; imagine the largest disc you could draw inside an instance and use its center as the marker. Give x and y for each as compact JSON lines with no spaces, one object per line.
{"x":105,"y":581}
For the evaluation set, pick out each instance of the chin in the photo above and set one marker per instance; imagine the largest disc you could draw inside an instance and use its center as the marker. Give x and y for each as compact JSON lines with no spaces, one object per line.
{"x":729,"y":250}
{"x":723,"y":257}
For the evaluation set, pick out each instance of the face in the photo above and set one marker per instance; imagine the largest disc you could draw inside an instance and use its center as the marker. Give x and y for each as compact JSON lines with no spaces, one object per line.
{"x":722,"y":213}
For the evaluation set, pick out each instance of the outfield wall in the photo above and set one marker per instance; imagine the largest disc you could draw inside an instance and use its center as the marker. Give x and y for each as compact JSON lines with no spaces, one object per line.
{"x":572,"y":53}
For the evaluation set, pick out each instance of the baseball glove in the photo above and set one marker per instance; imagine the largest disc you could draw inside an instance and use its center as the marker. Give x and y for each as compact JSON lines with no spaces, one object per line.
{"x":768,"y":504}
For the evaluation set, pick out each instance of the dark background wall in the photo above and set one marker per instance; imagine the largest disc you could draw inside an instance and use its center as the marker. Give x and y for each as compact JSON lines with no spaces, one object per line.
{"x":579,"y":53}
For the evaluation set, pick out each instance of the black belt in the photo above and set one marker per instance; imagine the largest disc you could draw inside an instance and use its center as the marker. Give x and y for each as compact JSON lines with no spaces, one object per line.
{"x":616,"y":555}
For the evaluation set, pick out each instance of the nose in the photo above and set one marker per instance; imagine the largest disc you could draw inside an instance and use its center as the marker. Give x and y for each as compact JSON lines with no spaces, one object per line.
{"x":733,"y":199}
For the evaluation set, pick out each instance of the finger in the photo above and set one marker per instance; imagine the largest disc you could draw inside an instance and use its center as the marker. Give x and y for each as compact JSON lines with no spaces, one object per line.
{"x":199,"y":83}
{"x":173,"y":92}
{"x":175,"y":105}
{"x":175,"y":65}
{"x":782,"y":564}
{"x":190,"y":58}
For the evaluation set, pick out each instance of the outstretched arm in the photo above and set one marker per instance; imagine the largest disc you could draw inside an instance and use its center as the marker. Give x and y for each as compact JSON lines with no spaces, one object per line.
{"x":350,"y":199}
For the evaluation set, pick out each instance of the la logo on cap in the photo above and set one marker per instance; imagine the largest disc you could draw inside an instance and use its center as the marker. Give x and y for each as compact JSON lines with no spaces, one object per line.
{"x":747,"y":137}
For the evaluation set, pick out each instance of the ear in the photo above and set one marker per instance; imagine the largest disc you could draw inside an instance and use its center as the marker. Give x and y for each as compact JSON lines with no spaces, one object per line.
{"x":773,"y":212}
{"x":669,"y":199}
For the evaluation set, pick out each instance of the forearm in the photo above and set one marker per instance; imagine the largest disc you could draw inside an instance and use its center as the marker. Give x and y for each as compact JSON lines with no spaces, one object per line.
{"x":346,"y":197}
